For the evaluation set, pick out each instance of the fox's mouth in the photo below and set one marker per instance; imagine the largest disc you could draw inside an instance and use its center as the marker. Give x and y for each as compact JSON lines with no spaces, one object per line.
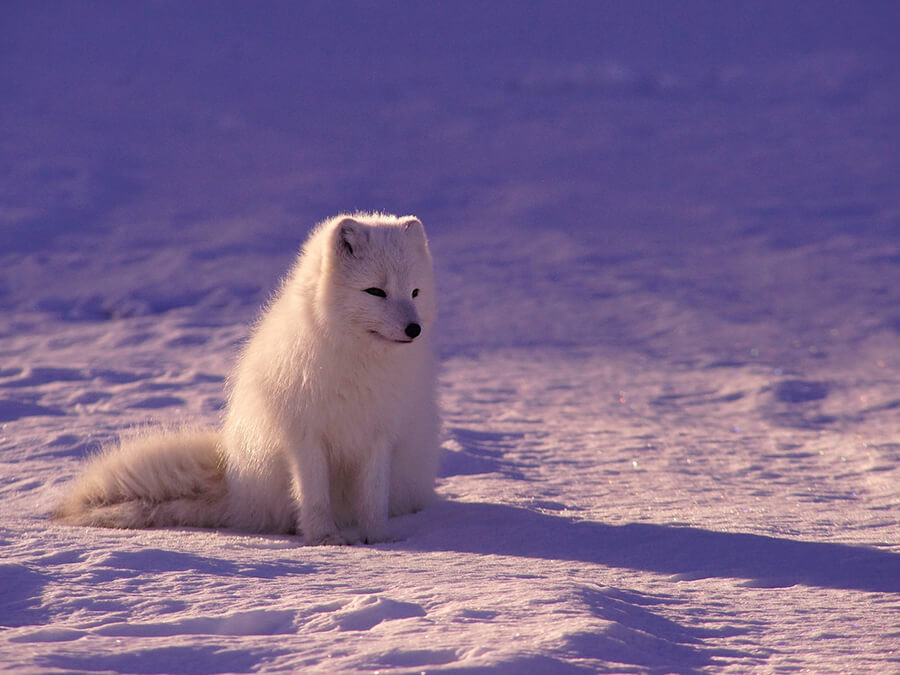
{"x":387,"y":339}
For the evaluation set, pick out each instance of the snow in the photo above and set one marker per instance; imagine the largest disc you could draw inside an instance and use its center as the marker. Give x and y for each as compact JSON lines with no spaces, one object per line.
{"x":668,"y":247}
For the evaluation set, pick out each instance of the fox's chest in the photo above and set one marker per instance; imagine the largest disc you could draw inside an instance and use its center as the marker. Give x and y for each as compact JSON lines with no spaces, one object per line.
{"x":353,"y":410}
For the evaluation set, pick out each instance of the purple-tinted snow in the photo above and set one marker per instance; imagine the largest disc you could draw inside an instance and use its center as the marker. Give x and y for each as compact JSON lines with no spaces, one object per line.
{"x":668,"y":245}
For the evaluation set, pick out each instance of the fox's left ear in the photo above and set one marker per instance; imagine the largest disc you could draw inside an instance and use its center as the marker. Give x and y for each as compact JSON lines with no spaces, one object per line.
{"x":414,"y":227}
{"x":350,"y":238}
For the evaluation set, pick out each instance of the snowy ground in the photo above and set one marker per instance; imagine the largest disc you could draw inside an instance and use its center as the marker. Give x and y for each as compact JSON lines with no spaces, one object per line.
{"x":668,"y":245}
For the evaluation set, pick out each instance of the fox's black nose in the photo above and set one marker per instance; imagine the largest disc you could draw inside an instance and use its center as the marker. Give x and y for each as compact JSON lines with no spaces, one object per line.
{"x":412,"y":330}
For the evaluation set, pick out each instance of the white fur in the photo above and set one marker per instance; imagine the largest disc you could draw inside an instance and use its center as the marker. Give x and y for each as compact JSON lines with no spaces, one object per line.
{"x":332,"y":420}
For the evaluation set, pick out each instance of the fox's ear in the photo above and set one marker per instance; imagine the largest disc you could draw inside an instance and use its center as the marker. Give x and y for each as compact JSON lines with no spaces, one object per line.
{"x":414,"y":229}
{"x":350,"y":238}
{"x":414,"y":226}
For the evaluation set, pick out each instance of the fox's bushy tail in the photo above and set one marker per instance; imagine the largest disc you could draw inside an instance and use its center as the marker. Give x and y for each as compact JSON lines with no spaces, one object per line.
{"x":156,"y":479}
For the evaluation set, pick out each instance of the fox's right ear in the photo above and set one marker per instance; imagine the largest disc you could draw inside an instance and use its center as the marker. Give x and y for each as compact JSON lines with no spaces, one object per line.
{"x":350,"y":238}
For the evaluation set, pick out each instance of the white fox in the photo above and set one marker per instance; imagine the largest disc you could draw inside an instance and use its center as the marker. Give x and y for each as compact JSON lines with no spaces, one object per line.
{"x":332,"y":419}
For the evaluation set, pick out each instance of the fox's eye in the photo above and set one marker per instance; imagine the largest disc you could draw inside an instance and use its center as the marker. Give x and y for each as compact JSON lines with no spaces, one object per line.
{"x":415,"y":292}
{"x":376,"y":292}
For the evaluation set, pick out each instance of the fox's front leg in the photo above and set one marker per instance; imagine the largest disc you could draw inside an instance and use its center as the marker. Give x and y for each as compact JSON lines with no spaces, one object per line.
{"x":372,"y":494}
{"x":313,"y":495}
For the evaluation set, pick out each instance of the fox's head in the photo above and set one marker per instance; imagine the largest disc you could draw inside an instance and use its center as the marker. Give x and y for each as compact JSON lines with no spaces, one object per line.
{"x":379,"y":278}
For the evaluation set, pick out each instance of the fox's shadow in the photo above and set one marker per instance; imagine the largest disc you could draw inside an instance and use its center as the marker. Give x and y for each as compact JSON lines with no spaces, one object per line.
{"x":687,"y":552}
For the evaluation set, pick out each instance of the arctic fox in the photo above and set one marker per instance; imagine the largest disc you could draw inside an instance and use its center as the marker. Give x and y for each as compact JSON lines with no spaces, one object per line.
{"x":332,"y":419}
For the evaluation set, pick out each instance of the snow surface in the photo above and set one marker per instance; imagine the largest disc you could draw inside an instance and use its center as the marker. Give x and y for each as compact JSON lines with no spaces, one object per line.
{"x":668,"y":245}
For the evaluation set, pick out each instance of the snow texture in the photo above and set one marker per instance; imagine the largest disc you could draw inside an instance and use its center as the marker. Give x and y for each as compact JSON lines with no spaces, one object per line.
{"x":667,"y":238}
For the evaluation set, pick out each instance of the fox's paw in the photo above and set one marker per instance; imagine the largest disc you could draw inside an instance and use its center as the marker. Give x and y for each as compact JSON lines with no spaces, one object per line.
{"x":327,"y":539}
{"x":319,"y":529}
{"x":375,"y":535}
{"x":380,"y":539}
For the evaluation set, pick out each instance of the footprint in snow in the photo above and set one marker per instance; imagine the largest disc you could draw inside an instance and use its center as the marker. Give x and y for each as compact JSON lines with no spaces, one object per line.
{"x":365,"y":612}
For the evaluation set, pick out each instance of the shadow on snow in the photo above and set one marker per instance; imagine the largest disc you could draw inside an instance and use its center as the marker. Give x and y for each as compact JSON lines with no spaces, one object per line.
{"x":687,"y":552}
